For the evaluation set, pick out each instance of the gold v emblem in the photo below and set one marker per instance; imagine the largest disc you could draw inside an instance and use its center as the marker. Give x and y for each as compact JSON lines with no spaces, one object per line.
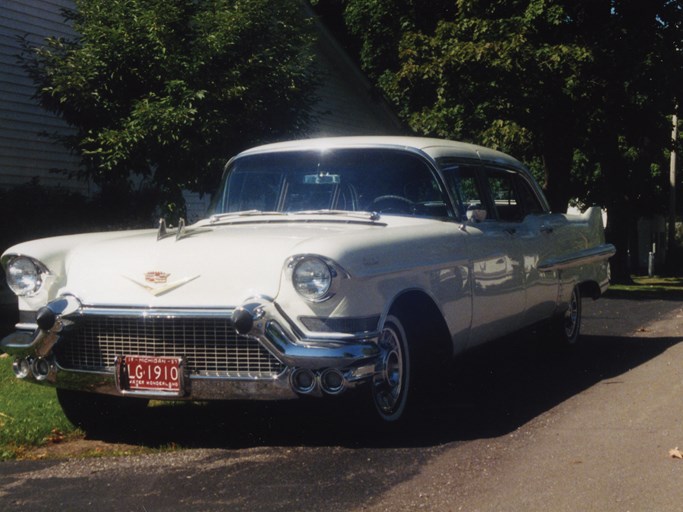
{"x":160,"y":289}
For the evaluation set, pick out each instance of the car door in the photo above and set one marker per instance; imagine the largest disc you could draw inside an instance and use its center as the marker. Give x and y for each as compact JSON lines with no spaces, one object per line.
{"x":539,"y":243}
{"x":496,"y":259}
{"x":521,"y":212}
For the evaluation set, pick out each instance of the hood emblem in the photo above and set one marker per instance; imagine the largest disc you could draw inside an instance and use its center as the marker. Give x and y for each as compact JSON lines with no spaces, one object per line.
{"x":156,"y":277}
{"x":157,"y":282}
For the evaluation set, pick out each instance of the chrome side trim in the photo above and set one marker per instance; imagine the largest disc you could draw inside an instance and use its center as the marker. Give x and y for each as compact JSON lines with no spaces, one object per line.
{"x":579,"y":258}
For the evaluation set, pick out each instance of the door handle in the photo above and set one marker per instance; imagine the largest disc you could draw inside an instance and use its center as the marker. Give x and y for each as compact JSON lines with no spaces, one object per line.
{"x":511,"y":231}
{"x":547,"y":229}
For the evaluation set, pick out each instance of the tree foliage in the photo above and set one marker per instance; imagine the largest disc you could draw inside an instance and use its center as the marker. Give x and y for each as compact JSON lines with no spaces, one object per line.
{"x":580,"y":89}
{"x":168,"y":89}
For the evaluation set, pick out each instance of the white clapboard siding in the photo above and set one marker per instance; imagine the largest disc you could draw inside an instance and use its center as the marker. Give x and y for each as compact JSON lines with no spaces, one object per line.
{"x":25,"y":151}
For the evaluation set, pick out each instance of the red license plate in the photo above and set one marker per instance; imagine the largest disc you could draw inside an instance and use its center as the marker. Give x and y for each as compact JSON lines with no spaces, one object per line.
{"x":149,"y":373}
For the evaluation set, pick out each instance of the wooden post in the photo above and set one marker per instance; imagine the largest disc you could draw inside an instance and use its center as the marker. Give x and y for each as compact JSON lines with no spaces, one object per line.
{"x":672,"y":194}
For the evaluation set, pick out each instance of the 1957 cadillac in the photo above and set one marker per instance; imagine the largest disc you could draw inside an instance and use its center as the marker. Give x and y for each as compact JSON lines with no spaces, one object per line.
{"x":325,"y":265}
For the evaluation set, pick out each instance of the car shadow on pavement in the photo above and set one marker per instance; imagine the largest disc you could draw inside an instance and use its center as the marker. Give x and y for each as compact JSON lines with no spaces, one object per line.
{"x":493,"y":391}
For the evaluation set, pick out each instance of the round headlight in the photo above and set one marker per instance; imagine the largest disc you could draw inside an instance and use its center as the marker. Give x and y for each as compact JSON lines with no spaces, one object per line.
{"x":312,"y":278}
{"x":25,"y":276}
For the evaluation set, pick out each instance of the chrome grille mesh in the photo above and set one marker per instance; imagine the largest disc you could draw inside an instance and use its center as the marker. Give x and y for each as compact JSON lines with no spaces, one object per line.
{"x":210,"y":346}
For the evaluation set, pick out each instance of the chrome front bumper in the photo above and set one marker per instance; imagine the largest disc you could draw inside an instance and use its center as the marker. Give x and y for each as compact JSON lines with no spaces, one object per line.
{"x":310,"y":366}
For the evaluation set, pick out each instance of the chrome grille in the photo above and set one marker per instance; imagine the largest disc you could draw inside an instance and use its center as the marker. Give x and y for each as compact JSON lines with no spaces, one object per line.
{"x":210,"y":346}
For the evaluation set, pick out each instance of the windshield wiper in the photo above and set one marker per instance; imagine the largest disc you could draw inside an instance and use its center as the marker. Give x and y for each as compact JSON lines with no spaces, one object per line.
{"x":219,"y":217}
{"x":373,"y":216}
{"x":244,"y":213}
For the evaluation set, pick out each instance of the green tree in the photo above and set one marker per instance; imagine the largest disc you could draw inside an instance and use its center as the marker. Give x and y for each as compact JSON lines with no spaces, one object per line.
{"x":580,"y":89}
{"x":635,"y":75}
{"x":506,"y":74}
{"x":168,"y":89}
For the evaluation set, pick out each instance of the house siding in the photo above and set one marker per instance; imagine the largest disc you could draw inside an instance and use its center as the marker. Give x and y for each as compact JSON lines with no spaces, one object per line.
{"x":26,"y":150}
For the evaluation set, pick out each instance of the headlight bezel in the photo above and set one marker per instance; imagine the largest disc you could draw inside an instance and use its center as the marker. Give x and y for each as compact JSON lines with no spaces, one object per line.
{"x":314,"y":278}
{"x":16,"y":276}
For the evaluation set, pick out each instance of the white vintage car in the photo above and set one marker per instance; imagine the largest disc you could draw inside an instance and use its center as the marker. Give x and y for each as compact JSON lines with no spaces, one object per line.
{"x":324,"y":265}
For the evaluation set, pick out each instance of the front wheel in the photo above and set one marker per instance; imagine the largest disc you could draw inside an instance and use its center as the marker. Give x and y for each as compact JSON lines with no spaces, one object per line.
{"x":93,"y":412}
{"x":567,"y":327}
{"x":391,"y":385}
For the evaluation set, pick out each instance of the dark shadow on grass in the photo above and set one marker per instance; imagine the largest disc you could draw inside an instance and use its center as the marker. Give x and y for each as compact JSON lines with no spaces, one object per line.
{"x":9,"y":316}
{"x":645,"y":293}
{"x":493,"y":391}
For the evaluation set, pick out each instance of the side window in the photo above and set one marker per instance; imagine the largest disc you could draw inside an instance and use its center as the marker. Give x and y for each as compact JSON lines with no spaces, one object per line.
{"x":463,"y":184}
{"x":528,"y":197}
{"x":501,"y":186}
{"x":512,"y":196}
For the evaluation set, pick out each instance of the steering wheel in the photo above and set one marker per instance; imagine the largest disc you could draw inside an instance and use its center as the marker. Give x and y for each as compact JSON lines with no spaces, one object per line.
{"x":395,"y":203}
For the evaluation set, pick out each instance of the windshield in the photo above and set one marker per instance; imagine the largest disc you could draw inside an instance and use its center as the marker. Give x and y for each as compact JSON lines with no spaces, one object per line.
{"x":359,"y":179}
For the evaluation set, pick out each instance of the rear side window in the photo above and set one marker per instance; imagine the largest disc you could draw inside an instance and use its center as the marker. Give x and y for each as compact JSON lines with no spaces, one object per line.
{"x":511,"y":195}
{"x":494,"y":193}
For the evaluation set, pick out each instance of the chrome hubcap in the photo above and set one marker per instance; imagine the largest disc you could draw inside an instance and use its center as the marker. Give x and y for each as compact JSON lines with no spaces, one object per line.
{"x":388,"y":382}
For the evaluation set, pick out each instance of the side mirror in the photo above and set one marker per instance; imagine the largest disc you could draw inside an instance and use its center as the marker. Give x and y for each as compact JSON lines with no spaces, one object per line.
{"x":476,"y":213}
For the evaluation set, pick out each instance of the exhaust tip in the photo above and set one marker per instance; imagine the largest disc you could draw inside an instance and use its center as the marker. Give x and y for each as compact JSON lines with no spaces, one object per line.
{"x":40,"y":368}
{"x":302,"y":380}
{"x":332,"y":381}
{"x":21,"y":368}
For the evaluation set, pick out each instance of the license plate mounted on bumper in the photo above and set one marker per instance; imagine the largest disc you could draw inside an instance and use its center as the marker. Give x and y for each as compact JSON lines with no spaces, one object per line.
{"x":150,"y":375}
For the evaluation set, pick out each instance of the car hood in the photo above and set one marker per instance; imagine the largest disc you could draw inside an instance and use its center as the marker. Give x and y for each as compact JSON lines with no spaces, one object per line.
{"x":210,"y":267}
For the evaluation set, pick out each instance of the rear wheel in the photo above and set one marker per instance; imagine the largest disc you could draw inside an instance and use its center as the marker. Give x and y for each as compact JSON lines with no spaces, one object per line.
{"x":95,"y":412}
{"x":391,"y":386}
{"x":567,"y":327}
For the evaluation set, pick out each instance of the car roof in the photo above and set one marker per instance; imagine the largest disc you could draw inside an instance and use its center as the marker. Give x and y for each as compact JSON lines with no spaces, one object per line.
{"x":435,"y":148}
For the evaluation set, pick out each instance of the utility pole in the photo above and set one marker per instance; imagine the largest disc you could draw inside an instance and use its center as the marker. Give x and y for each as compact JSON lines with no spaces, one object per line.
{"x":672,"y":194}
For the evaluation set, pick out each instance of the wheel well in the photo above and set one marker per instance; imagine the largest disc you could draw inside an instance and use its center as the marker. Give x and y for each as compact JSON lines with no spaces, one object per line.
{"x":425,"y":323}
{"x":590,"y":289}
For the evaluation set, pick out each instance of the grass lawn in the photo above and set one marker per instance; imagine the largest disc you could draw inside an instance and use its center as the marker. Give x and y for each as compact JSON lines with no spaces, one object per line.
{"x":29,"y":414}
{"x":644,"y":287}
